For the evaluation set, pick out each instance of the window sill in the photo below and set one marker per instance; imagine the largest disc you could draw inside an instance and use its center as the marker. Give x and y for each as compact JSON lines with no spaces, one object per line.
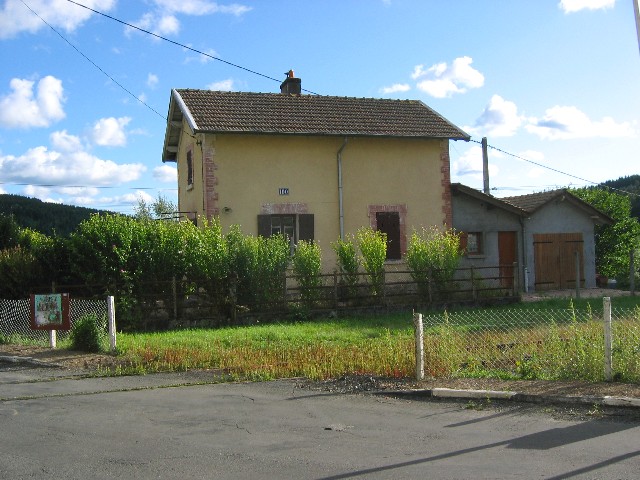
{"x":478,"y":256}
{"x":190,"y":187}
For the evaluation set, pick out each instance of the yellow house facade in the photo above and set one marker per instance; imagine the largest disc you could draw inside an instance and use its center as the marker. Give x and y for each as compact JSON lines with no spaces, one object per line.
{"x":312,"y":167}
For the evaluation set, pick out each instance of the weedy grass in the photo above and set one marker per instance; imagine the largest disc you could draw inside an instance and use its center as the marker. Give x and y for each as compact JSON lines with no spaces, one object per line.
{"x":316,"y":350}
{"x":555,"y":339}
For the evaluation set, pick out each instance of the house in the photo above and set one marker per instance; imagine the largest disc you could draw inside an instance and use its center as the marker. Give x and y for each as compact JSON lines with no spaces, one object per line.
{"x":548,"y":235}
{"x":313,"y":167}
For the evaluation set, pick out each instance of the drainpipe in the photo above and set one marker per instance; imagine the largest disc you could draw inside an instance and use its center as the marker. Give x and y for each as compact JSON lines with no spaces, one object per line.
{"x":340,"y":203}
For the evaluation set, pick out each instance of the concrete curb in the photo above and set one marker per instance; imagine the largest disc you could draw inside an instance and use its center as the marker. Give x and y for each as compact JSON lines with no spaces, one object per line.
{"x":607,"y":401}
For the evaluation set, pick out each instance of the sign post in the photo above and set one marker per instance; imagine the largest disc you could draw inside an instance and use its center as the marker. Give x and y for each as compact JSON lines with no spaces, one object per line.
{"x":50,"y":312}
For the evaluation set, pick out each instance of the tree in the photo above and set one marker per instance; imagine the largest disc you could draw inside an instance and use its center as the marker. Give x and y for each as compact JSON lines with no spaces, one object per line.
{"x":161,"y":209}
{"x":9,"y":231}
{"x":613,"y":242}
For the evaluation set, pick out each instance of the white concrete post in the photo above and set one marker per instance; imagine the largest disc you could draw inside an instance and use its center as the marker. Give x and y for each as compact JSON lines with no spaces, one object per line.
{"x":607,"y":339}
{"x":52,"y":338}
{"x":419,"y":334}
{"x":111,"y":313}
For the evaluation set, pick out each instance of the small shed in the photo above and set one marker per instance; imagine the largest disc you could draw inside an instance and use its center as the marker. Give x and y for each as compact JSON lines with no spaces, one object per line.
{"x":549,"y":236}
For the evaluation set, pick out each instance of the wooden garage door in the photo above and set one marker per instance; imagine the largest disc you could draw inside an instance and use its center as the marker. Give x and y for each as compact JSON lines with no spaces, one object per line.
{"x":507,"y":257}
{"x":555,"y":260}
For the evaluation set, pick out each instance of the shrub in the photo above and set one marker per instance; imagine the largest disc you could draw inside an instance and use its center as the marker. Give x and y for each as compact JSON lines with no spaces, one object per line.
{"x":433,"y":256}
{"x":348,"y":264}
{"x":373,"y":247}
{"x":87,"y":334}
{"x":307,"y":265}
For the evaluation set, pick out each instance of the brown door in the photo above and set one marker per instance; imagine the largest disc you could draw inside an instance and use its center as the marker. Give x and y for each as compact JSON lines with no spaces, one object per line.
{"x":507,"y":253}
{"x":555,"y":260}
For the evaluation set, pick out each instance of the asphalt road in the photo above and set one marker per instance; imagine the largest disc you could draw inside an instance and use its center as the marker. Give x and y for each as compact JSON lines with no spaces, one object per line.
{"x":167,"y":426}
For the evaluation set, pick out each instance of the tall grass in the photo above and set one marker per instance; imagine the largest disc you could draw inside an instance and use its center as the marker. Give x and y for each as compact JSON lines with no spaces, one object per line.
{"x":316,"y":350}
{"x":518,"y":342}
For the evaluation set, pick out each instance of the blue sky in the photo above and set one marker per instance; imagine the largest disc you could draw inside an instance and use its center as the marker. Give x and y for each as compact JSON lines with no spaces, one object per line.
{"x":552,"y":84}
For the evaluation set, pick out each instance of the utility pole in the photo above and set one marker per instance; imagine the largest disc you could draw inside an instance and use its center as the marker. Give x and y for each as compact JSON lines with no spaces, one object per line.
{"x":485,"y":167}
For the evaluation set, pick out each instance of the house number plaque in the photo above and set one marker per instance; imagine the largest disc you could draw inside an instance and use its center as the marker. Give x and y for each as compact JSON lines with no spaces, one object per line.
{"x":283,"y":191}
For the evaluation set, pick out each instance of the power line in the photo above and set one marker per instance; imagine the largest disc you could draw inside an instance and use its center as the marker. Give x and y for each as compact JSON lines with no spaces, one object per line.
{"x":92,"y":62}
{"x":556,"y":170}
{"x":182,"y":45}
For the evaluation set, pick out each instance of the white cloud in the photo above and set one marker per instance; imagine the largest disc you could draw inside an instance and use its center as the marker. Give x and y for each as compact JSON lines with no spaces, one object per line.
{"x":223,"y":85}
{"x":110,"y":131}
{"x":205,"y":57}
{"x":571,"y":6}
{"x":16,"y":18}
{"x":65,"y":142}
{"x":152,"y":80}
{"x":41,"y":166}
{"x":395,"y":88}
{"x":442,"y":80}
{"x":166,"y":174}
{"x":567,"y":122}
{"x":22,"y":109}
{"x":499,"y":118}
{"x":163,"y":19}
{"x":470,"y":164}
{"x":201,"y":7}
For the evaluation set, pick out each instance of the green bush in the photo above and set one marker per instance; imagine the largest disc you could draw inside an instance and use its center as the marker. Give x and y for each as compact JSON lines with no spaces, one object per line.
{"x":373,"y":247}
{"x":433,"y":256}
{"x":307,"y":266}
{"x":348,"y":264}
{"x":87,"y":334}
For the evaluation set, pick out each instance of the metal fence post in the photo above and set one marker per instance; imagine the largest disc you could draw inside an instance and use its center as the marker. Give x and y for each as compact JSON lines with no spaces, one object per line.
{"x":419,"y":335}
{"x":607,"y":338}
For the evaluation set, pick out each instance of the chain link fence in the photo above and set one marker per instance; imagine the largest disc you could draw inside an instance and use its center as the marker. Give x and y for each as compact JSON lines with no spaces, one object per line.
{"x":532,"y":344}
{"x":15,"y":323}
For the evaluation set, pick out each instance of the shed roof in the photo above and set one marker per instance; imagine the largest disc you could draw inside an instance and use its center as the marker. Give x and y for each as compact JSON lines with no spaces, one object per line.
{"x":530,"y":203}
{"x":283,"y":114}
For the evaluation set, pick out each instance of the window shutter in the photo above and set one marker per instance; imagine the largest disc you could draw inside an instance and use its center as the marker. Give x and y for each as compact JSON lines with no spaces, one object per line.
{"x":305,"y":226}
{"x":264,"y":225}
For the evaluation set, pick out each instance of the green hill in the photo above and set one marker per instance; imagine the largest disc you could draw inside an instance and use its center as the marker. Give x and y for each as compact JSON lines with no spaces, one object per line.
{"x":42,"y":216}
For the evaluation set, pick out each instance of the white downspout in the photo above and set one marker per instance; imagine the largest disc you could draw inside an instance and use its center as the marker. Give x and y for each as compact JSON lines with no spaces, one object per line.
{"x":340,"y":203}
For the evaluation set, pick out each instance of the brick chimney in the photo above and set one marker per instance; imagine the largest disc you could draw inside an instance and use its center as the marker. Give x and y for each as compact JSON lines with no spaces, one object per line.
{"x":291,"y":84}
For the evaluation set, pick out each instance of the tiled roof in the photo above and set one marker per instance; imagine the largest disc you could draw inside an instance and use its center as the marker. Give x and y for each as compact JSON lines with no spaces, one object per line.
{"x":271,"y":113}
{"x":531,"y":202}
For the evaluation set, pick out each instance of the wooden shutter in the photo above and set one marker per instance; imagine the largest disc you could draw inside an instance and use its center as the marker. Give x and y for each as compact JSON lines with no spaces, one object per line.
{"x":264,"y":225}
{"x":305,"y":226}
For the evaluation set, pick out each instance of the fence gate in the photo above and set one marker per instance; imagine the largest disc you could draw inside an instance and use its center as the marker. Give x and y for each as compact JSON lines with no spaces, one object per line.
{"x":555,"y":261}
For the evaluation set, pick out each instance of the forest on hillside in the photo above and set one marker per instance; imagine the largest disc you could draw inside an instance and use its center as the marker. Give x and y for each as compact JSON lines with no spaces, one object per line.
{"x":44,"y":217}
